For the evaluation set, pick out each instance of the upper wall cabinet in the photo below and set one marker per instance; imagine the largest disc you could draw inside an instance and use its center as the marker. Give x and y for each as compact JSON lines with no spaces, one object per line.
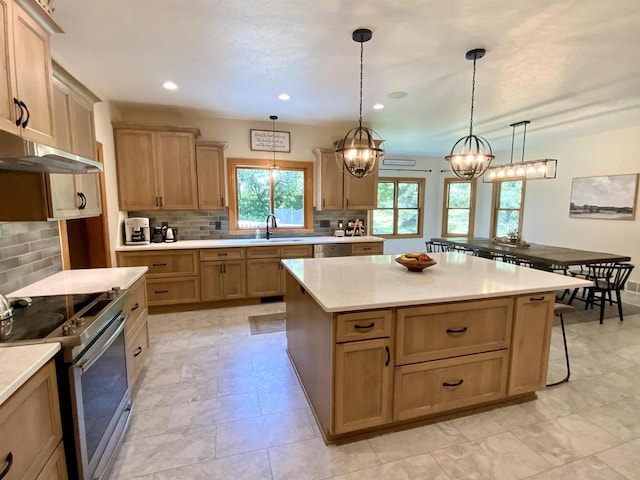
{"x":26,"y":104}
{"x":211,"y":181}
{"x":337,"y":190}
{"x":156,"y":167}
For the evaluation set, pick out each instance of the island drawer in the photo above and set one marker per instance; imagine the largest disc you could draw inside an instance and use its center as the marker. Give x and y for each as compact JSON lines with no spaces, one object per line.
{"x":432,"y":387}
{"x":163,"y":264}
{"x":169,"y":291}
{"x":222,"y":254}
{"x":444,"y":331}
{"x":375,"y":248}
{"x":136,"y":303}
{"x":363,"y":325}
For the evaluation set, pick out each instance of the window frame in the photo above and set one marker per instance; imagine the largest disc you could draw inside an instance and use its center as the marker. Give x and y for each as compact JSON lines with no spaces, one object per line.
{"x":306,"y":167}
{"x":495,"y":204}
{"x":445,"y":207}
{"x":420,"y":207}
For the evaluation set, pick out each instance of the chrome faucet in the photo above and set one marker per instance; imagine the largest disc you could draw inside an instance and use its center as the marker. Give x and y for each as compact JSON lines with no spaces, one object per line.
{"x":275,"y":224}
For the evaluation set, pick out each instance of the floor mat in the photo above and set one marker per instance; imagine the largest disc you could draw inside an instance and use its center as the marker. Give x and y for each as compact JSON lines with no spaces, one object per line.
{"x":267,"y":323}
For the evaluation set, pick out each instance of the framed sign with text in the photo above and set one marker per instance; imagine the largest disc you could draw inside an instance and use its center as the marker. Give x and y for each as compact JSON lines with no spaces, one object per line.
{"x":268,"y":141}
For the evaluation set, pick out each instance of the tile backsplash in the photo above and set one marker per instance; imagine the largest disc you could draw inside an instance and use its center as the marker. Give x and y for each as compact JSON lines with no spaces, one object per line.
{"x":29,"y":251}
{"x":205,"y":225}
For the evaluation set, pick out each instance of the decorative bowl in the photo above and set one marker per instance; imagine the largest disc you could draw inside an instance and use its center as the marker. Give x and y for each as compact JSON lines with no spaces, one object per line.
{"x":415,"y":265}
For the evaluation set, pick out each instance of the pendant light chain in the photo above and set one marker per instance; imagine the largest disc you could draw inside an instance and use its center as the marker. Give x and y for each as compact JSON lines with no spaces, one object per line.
{"x":473,"y":95}
{"x":361,"y":71}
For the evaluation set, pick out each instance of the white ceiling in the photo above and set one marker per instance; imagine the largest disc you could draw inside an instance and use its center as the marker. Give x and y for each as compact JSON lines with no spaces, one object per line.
{"x":572,"y":67}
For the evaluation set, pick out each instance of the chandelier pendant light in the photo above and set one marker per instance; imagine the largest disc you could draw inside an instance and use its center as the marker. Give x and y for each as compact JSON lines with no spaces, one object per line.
{"x":529,"y":170}
{"x":361,"y":147}
{"x":471,"y":155}
{"x":273,"y":169}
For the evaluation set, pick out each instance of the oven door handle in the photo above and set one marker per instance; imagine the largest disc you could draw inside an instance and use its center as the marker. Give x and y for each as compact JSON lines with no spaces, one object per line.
{"x":86,"y":365}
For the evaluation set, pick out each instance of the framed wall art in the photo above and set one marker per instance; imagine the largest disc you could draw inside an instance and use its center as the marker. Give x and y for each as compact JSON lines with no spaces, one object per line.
{"x":263,"y":140}
{"x":610,"y":197}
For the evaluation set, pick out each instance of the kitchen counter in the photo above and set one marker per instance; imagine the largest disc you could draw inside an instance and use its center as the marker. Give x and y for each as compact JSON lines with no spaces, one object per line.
{"x":358,"y":283}
{"x":19,"y":363}
{"x":247,"y":242}
{"x":88,"y":280}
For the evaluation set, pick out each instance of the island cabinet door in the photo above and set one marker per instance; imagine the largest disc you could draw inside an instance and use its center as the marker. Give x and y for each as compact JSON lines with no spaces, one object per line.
{"x":530,"y":342}
{"x":362,"y":385}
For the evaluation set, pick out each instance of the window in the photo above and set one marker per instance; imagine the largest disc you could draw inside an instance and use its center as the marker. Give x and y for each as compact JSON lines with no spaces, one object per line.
{"x":399,"y":212}
{"x":254,"y":193}
{"x":458,"y":207}
{"x":508,"y":207}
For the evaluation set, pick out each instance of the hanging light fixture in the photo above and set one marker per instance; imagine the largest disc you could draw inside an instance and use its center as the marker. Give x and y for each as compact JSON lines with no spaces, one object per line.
{"x":530,"y":170}
{"x":359,"y":150}
{"x":471,"y":155}
{"x":273,"y":169}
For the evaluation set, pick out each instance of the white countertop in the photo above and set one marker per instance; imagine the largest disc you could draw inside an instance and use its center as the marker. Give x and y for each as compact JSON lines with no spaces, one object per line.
{"x":246,"y":242}
{"x":359,"y":283}
{"x":19,"y":363}
{"x":87,"y":280}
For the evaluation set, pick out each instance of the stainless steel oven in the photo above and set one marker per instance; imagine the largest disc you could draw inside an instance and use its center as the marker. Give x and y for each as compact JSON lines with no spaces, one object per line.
{"x":95,"y":403}
{"x":100,"y":400}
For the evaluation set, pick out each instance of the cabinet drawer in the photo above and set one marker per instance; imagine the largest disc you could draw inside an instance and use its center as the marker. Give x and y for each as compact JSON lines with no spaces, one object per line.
{"x":173,"y":290}
{"x":30,"y":424}
{"x":137,"y":351}
{"x":296,"y":251}
{"x":222,"y":254}
{"x":443,"y":331}
{"x":136,"y":303}
{"x":431,"y":387}
{"x":56,"y":467}
{"x":263,"y":252}
{"x":363,"y":326}
{"x":367,"y":248}
{"x":163,"y":264}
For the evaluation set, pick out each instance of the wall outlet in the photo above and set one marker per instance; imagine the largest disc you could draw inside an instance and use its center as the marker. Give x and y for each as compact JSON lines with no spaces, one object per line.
{"x":632,"y":286}
{"x":218,"y":225}
{"x":325,"y":223}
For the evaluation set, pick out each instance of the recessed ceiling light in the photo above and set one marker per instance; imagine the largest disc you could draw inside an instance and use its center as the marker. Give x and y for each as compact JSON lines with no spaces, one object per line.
{"x":170,"y":86}
{"x":396,"y":95}
{"x":378,"y":106}
{"x":284,"y":96}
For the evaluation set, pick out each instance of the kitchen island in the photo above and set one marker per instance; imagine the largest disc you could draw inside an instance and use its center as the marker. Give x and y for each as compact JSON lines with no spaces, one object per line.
{"x":377,"y":347}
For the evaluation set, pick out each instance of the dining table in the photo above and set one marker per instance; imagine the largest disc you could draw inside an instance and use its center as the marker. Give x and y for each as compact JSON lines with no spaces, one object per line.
{"x":543,"y":257}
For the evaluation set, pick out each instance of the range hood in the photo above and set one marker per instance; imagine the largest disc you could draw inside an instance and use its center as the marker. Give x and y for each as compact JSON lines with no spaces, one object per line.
{"x":19,"y":154}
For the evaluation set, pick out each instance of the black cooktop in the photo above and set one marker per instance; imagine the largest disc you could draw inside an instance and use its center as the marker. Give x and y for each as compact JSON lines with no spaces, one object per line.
{"x":42,"y":316}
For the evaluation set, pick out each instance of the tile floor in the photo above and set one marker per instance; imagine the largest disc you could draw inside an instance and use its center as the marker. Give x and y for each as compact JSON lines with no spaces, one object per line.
{"x":215,"y":402}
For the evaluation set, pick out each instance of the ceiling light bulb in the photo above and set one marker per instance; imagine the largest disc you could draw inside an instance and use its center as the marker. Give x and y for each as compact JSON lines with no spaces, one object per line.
{"x":170,"y":85}
{"x":284,"y":96}
{"x":520,"y":171}
{"x":501,"y":174}
{"x":457,"y":159}
{"x":492,"y":174}
{"x":542,"y":169}
{"x":378,"y":106}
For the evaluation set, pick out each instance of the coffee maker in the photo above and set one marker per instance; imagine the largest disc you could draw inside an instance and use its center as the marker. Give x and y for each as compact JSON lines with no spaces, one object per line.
{"x":136,"y":231}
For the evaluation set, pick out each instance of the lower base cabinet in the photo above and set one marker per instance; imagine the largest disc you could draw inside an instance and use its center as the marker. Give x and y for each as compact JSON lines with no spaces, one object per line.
{"x":137,"y":351}
{"x":362,"y":385}
{"x":171,"y":291}
{"x":30,"y":429}
{"x":222,"y":280}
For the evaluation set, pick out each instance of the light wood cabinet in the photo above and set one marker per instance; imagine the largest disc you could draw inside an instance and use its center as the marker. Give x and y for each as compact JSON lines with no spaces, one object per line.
{"x":362,"y":385}
{"x":27,"y":103}
{"x":266,"y":276}
{"x":369,"y":248}
{"x":136,"y":330}
{"x":56,"y":467}
{"x":156,"y":168}
{"x":30,"y":428}
{"x":222,"y":274}
{"x":338,"y":190}
{"x":173,"y":276}
{"x":431,"y":387}
{"x":363,"y":325}
{"x":211,"y":180}
{"x":530,"y":343}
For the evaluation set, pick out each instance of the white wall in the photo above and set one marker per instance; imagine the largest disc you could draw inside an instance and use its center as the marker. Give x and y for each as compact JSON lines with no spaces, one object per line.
{"x":546,"y":213}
